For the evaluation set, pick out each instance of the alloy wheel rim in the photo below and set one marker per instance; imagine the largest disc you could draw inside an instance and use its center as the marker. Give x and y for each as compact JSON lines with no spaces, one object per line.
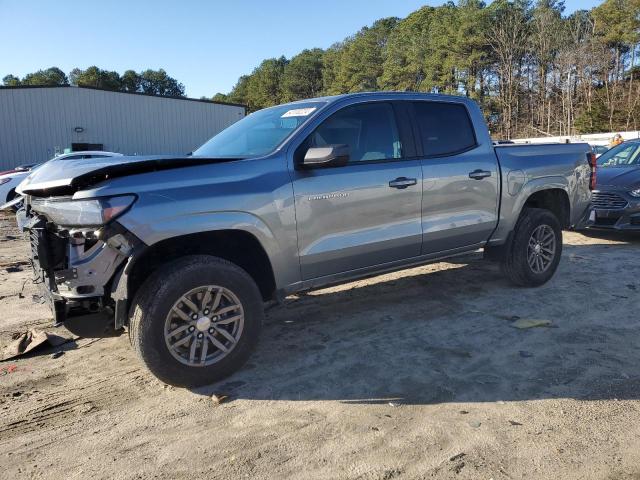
{"x":204,"y":325}
{"x":541,"y":249}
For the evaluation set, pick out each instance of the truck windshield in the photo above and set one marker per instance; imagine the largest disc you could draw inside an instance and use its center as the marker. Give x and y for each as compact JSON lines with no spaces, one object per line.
{"x":624,"y":155}
{"x":259,"y":133}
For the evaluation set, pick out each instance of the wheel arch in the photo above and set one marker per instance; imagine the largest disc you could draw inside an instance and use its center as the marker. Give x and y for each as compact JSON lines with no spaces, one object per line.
{"x":551,"y":193}
{"x":556,"y":200}
{"x":239,"y":247}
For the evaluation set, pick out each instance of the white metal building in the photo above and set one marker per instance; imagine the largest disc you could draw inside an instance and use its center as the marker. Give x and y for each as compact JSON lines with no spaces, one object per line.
{"x":37,"y":123}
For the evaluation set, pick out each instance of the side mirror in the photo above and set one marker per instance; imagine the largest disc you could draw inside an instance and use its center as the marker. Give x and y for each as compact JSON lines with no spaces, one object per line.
{"x":329,"y":156}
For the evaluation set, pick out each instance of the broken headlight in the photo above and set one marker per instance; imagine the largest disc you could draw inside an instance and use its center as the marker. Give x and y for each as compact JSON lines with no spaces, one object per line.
{"x":92,"y":212}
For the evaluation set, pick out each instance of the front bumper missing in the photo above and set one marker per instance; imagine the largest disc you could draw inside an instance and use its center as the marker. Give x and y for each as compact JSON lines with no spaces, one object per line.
{"x":75,"y":275}
{"x":46,"y":254}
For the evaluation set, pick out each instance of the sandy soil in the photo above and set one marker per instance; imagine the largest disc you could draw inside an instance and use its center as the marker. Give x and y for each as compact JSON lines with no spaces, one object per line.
{"x":416,"y":374}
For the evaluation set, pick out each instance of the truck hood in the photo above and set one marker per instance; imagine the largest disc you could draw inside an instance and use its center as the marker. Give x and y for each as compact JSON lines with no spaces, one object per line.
{"x":65,"y":177}
{"x":624,"y":177}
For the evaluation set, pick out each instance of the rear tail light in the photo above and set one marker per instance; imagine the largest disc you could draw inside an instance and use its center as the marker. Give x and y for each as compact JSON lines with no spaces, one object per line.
{"x":594,"y":165}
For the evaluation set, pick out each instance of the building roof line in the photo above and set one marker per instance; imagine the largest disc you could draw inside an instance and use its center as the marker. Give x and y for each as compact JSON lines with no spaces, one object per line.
{"x":202,"y":100}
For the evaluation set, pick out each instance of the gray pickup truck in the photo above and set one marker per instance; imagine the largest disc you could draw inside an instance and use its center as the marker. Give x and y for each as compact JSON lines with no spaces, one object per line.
{"x":185,"y":251}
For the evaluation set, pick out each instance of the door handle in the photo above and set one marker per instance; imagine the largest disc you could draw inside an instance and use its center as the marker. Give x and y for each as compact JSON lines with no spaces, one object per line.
{"x":479,"y":174}
{"x":402,"y":182}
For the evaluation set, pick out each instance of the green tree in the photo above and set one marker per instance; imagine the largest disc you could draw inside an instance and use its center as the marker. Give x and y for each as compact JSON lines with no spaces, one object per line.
{"x":131,"y":81}
{"x":596,"y":119}
{"x":220,"y":97}
{"x":302,"y":76}
{"x":11,"y":81}
{"x":508,"y":37}
{"x":158,"y":82}
{"x":546,"y":40}
{"x":439,"y":49}
{"x":409,"y":47}
{"x":617,"y":26}
{"x":470,"y":52}
{"x":50,"y":77}
{"x":617,"y":23}
{"x":533,"y":70}
{"x":361,"y":61}
{"x":239,"y":92}
{"x":330,"y":65}
{"x":264,"y":87}
{"x":96,"y":77}
{"x":443,"y":66}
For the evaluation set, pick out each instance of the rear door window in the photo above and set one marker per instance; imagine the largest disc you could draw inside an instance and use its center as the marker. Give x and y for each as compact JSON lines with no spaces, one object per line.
{"x":444,"y":128}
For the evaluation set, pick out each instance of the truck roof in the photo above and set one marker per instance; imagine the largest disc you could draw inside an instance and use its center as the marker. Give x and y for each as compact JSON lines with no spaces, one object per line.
{"x":390,"y":95}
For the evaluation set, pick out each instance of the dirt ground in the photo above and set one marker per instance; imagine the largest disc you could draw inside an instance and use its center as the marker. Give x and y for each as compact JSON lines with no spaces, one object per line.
{"x":416,"y":374}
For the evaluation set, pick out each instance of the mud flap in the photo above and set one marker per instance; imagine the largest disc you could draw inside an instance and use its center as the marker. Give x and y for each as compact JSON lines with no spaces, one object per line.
{"x":120,"y":293}
{"x":588,"y":219}
{"x":59,"y":310}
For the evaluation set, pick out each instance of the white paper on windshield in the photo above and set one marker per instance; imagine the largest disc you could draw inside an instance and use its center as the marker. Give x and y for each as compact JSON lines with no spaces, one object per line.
{"x":298,"y":112}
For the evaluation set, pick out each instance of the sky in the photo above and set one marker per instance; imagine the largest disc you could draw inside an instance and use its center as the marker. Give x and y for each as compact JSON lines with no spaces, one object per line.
{"x":206,"y":45}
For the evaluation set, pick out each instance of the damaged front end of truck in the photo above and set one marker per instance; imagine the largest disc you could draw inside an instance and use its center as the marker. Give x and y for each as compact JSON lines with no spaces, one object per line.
{"x":78,"y":255}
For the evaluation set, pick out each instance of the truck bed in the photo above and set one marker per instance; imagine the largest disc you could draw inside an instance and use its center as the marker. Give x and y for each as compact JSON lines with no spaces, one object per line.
{"x":527,"y":168}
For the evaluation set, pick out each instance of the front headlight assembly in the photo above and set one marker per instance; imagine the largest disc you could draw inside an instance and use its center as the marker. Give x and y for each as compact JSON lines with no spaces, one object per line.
{"x":636,"y":192}
{"x":92,"y":212}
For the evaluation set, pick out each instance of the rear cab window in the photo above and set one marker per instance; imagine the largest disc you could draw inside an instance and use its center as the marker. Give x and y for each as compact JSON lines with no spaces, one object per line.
{"x":443,"y":128}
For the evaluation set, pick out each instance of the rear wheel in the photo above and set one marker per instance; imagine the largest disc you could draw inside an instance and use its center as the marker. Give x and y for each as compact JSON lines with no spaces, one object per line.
{"x":535,"y":250}
{"x":196,"y":320}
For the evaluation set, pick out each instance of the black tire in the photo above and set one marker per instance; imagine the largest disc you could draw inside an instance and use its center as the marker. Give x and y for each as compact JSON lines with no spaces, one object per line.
{"x":10,"y":196}
{"x":160,"y":293}
{"x":515,"y":262}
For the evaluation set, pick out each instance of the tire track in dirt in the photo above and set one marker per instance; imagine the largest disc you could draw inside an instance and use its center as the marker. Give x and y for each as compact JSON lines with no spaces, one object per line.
{"x":36,"y":410}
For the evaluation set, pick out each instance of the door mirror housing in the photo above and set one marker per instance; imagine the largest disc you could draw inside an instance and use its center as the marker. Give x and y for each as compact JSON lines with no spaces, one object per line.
{"x":327,"y":156}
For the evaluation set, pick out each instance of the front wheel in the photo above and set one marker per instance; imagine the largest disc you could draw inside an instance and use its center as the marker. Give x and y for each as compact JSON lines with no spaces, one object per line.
{"x":536,"y":246}
{"x":196,"y":320}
